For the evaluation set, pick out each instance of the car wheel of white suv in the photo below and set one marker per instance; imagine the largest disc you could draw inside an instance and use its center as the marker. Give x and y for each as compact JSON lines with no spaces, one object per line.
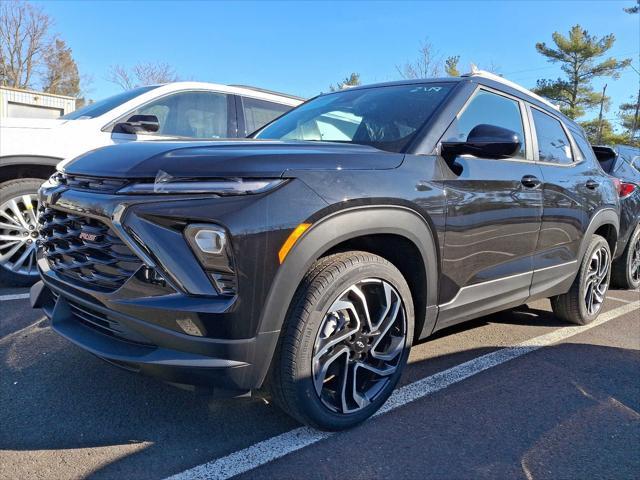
{"x":18,"y":231}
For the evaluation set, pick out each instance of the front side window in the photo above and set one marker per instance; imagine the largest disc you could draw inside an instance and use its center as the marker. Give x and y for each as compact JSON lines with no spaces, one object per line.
{"x":190,"y":114}
{"x":490,"y":109}
{"x":553,"y":143}
{"x":257,"y":113}
{"x":387,"y":118}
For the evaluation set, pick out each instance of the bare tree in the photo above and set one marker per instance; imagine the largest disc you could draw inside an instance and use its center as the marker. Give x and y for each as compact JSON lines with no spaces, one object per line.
{"x":427,"y":64}
{"x":147,"y":73}
{"x":120,"y":76}
{"x":24,"y":31}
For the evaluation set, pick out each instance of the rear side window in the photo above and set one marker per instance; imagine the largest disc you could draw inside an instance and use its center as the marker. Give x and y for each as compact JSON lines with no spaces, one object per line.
{"x":491,"y":109}
{"x":553,"y":143}
{"x":584,"y":147}
{"x":257,"y":113}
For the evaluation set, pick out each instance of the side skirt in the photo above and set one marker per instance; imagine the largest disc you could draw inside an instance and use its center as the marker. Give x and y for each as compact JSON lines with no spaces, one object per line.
{"x":473,"y":301}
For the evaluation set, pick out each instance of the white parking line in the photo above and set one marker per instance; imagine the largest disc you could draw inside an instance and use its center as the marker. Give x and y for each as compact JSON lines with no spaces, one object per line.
{"x":17,"y":296}
{"x":281,"y":445}
{"x":623,"y":300}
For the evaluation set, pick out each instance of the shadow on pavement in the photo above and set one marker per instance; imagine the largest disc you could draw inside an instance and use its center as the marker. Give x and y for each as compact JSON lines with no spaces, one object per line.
{"x":575,"y":403}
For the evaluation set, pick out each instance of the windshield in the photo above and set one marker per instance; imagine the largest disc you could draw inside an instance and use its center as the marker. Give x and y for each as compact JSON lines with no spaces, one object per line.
{"x":384,"y":117}
{"x":103,"y":106}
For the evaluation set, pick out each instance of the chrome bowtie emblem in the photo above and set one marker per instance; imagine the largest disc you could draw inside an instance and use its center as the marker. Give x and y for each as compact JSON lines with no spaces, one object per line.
{"x":90,"y":237}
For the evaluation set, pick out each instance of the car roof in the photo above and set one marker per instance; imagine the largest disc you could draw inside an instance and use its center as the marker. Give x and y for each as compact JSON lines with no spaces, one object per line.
{"x":245,"y":91}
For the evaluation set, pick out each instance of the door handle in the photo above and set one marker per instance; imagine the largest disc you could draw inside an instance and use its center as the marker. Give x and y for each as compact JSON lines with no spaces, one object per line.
{"x":530,"y":181}
{"x":592,"y":184}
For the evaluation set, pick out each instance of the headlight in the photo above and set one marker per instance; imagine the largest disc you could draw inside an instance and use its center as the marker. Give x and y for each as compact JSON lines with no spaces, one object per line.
{"x":218,"y":187}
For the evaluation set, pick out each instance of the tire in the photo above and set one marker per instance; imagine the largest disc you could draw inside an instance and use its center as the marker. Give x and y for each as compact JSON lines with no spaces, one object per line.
{"x":13,"y":273}
{"x":300,"y":381}
{"x":574,"y":306}
{"x":625,"y":272}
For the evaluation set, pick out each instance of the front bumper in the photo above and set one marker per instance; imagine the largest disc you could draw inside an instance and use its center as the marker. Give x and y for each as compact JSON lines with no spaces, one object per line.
{"x":167,"y":319}
{"x":180,"y":359}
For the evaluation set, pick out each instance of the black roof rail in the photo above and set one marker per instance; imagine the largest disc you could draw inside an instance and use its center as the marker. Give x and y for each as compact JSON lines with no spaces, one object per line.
{"x":272,"y":92}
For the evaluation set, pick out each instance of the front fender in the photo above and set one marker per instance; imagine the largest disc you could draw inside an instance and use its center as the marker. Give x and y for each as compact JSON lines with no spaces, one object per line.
{"x":335,"y":229}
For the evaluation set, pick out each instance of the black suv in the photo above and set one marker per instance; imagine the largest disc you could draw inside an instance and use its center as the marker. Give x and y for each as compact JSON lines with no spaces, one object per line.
{"x":311,"y":257}
{"x":623,"y":162}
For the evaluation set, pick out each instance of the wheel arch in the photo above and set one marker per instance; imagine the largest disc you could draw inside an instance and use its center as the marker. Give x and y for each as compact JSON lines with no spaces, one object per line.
{"x":27,"y":166}
{"x":350,"y":227}
{"x":606,"y":222}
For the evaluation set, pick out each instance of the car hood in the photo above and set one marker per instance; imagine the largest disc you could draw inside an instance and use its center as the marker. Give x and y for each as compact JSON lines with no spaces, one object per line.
{"x":32,"y":123}
{"x":226,"y":159}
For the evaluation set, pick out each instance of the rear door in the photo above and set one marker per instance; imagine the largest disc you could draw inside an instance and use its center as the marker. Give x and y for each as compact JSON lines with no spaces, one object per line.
{"x":493,"y":215}
{"x":255,"y":113}
{"x":570,"y":195}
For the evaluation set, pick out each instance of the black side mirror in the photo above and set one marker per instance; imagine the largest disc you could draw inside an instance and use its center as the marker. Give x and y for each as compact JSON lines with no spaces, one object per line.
{"x":485,"y":141}
{"x":138,"y":124}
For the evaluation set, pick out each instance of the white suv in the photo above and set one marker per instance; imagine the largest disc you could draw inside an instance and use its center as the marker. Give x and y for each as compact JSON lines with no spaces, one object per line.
{"x":31,"y":148}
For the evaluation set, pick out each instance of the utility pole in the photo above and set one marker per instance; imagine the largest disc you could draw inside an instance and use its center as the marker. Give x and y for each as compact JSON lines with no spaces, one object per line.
{"x":600,"y":116}
{"x":635,"y":118}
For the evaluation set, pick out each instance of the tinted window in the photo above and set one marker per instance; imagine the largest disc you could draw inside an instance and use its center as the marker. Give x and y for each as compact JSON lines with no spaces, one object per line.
{"x":257,"y":113}
{"x":553,"y":144}
{"x":190,"y":114}
{"x":384,"y":117}
{"x":490,"y":109}
{"x":584,"y":147}
{"x":103,"y":106}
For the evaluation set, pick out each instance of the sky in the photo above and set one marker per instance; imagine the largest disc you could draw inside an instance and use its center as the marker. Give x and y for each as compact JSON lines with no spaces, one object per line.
{"x":303,"y":47}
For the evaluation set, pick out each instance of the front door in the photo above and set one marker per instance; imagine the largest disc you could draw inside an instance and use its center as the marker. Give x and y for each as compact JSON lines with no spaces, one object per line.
{"x":493,"y":216}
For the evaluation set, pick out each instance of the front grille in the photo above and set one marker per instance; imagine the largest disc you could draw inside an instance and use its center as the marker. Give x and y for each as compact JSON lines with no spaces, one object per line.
{"x":86,"y":251}
{"x":104,"y":324}
{"x":95,"y":184}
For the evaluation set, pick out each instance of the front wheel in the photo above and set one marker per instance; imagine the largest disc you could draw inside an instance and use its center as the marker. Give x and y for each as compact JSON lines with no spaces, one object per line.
{"x":582,"y":303}
{"x":18,"y":231}
{"x":345,"y":341}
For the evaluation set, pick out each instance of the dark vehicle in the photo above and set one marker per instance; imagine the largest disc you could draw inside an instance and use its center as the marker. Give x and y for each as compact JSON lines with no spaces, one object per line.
{"x":623,"y":162}
{"x":310,"y":259}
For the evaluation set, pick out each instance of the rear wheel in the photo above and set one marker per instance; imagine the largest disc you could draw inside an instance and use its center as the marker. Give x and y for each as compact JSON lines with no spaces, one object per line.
{"x":626,"y":270}
{"x":18,"y":231}
{"x":345,"y":341}
{"x":583,"y":302}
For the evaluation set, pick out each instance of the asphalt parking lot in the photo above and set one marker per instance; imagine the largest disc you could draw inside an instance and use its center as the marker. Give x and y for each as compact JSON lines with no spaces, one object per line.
{"x":512,"y":395}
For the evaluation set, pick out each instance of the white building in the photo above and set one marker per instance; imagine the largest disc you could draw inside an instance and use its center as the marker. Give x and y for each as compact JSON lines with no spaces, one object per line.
{"x":18,"y":103}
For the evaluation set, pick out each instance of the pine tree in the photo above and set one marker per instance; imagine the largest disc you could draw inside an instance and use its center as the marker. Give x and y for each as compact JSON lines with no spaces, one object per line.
{"x":61,"y":76}
{"x":451,"y":66}
{"x":352,"y":80}
{"x":580,"y":56}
